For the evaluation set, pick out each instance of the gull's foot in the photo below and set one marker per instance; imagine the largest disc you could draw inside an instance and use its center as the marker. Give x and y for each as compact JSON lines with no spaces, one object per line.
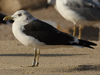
{"x":36,"y":64}
{"x":29,"y":66}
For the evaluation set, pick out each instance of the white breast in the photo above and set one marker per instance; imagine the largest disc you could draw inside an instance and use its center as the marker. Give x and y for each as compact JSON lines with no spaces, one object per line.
{"x":17,"y":29}
{"x":66,"y":12}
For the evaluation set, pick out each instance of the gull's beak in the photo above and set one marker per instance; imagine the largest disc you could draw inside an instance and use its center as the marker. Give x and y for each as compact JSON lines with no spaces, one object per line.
{"x":8,"y":18}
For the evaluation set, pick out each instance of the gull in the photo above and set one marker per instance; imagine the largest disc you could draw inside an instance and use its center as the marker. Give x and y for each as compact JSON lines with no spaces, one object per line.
{"x":80,"y":12}
{"x":9,"y":22}
{"x":35,"y":33}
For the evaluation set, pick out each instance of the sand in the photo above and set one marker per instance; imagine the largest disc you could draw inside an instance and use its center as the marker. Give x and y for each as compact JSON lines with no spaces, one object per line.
{"x":14,"y":59}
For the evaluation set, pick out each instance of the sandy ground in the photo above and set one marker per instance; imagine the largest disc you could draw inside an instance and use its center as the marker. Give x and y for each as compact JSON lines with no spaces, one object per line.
{"x":14,"y":57}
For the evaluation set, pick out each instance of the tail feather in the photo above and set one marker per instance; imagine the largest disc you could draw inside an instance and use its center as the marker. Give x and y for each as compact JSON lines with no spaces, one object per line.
{"x":87,"y":43}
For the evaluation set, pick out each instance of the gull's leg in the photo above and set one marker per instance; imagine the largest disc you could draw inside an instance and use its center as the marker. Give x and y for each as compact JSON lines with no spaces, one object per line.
{"x":34,"y":59}
{"x":35,"y":54}
{"x":80,"y":31}
{"x":37,"y":60}
{"x":74,"y":30}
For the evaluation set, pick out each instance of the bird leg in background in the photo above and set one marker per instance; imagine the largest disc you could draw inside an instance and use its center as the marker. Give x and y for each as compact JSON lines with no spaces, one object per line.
{"x":37,"y":60}
{"x":80,"y":31}
{"x":58,"y":27}
{"x":74,"y":30}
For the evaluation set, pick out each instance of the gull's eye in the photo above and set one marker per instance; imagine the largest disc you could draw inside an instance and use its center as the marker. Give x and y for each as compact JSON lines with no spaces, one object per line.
{"x":19,"y":15}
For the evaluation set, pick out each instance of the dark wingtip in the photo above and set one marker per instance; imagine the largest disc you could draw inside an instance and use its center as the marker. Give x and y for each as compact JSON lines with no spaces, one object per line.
{"x":87,"y":44}
{"x":91,"y":47}
{"x":94,"y":44}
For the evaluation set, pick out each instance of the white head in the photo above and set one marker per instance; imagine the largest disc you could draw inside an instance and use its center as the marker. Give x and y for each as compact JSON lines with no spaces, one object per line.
{"x":20,"y":15}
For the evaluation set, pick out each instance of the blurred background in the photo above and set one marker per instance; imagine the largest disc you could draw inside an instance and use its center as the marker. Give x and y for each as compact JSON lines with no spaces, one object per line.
{"x":38,"y":10}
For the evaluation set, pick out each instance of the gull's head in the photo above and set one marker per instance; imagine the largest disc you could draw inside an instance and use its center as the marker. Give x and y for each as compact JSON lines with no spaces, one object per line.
{"x":50,"y":2}
{"x":20,"y":15}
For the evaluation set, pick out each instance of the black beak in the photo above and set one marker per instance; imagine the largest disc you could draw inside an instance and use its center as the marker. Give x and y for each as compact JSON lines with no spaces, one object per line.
{"x":47,"y":6}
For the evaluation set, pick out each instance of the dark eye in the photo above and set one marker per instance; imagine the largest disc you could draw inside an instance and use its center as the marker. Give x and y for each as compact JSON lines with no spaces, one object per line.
{"x":19,"y":15}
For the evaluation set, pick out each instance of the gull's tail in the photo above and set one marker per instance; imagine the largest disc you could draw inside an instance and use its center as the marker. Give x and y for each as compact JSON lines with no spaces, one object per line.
{"x":85,"y":43}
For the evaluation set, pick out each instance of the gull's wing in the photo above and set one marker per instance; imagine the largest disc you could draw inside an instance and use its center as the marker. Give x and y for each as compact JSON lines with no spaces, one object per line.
{"x":85,"y":8}
{"x":48,"y":34}
{"x":81,"y":3}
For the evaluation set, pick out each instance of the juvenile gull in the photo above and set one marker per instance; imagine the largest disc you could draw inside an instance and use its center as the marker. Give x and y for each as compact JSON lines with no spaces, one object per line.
{"x":39,"y":35}
{"x":80,"y":12}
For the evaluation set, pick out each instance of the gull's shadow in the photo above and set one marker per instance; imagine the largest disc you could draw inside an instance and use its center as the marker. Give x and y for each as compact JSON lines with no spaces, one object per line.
{"x":87,"y":67}
{"x":78,"y":68}
{"x":43,"y":55}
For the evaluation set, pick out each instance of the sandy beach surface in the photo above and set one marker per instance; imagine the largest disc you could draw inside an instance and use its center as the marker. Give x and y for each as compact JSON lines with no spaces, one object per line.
{"x":14,"y":59}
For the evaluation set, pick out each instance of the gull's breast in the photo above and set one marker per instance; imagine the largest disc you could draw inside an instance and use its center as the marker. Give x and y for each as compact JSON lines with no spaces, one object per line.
{"x":23,"y":38}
